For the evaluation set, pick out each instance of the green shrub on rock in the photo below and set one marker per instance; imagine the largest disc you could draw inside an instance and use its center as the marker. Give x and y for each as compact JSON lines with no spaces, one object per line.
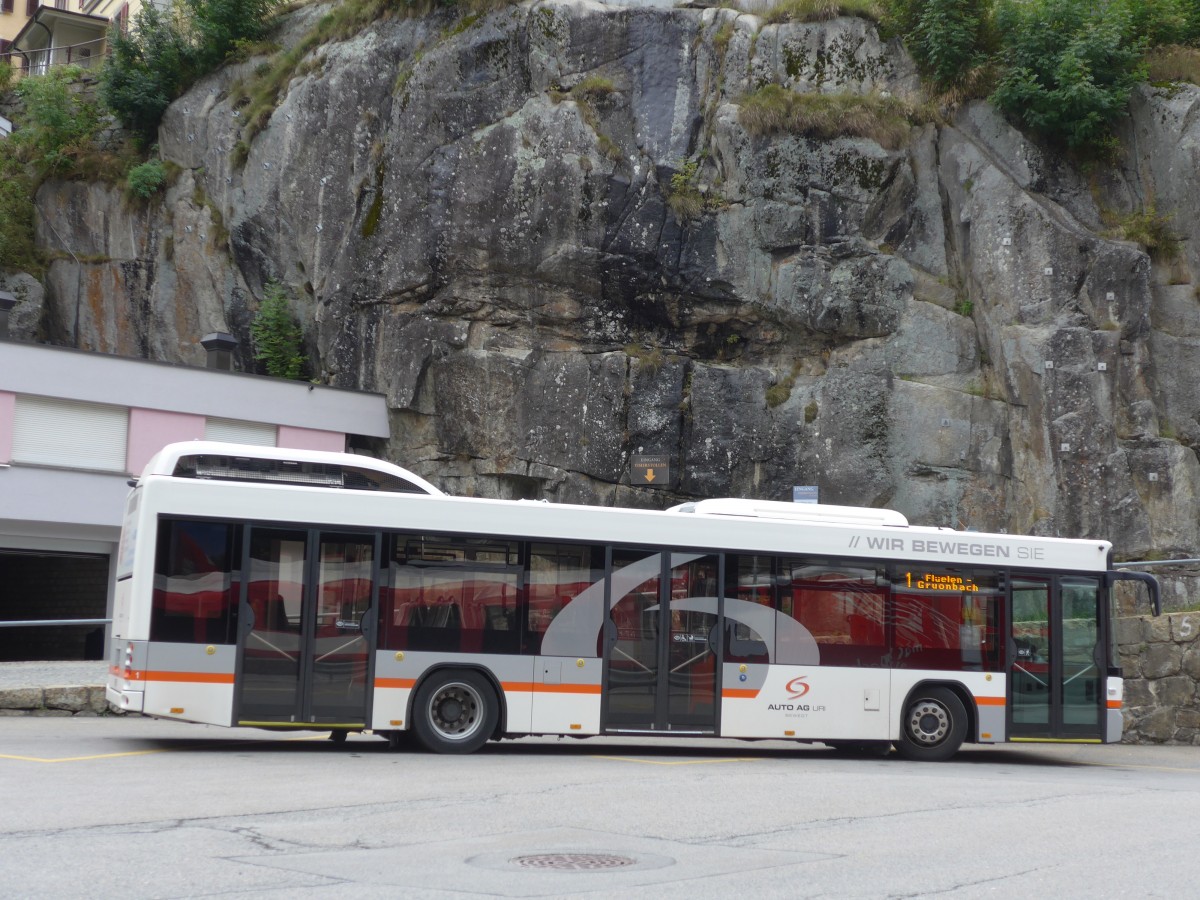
{"x":58,"y":125}
{"x":167,"y":49}
{"x":146,"y":180}
{"x":18,"y":251}
{"x":277,"y":336}
{"x":222,"y":26}
{"x":148,"y":67}
{"x":946,"y":38}
{"x":1069,"y":67}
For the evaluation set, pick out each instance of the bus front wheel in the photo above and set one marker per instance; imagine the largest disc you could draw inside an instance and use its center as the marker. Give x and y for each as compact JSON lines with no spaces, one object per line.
{"x":934,"y":725}
{"x":456,"y":712}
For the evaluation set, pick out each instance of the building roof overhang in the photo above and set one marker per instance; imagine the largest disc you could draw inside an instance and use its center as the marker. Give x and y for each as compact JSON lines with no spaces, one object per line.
{"x":67,"y":374}
{"x":39,"y":30}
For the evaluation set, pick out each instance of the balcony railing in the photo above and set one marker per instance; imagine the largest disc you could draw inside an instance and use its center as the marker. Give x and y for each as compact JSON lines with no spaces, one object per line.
{"x":88,"y":55}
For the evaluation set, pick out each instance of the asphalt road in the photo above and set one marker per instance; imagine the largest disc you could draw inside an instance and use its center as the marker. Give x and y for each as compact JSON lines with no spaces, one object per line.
{"x":134,"y":808}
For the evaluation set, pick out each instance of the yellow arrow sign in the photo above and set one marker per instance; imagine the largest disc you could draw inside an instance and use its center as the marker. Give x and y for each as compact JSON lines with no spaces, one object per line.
{"x":650,"y":469}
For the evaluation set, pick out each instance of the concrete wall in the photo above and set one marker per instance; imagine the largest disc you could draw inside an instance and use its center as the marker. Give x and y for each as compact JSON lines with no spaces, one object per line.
{"x":311,"y":439}
{"x":152,"y":429}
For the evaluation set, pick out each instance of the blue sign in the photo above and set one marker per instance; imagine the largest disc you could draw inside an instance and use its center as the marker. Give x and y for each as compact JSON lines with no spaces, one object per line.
{"x":805,"y":493}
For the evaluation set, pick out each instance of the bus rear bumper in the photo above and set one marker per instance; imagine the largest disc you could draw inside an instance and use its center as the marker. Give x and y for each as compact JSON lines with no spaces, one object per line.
{"x":1115,"y":719}
{"x":126,"y":701}
{"x":1115,"y":729}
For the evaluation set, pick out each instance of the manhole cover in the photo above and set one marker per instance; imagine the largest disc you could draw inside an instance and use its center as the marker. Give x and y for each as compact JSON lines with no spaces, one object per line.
{"x":574,"y":862}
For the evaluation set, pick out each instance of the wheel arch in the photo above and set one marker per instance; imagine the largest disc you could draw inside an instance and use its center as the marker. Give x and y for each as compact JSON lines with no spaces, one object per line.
{"x":960,"y":690}
{"x":501,"y":700}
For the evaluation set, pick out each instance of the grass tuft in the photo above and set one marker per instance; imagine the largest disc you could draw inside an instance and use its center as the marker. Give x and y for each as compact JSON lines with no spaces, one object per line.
{"x":1153,"y":231}
{"x":1173,"y":64}
{"x":821,"y":10}
{"x":776,"y":110}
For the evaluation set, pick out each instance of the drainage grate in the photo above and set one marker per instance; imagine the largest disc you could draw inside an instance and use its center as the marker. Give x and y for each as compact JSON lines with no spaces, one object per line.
{"x":575,"y":862}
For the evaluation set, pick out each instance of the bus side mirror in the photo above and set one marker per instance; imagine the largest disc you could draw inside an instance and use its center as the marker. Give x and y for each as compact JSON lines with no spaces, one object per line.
{"x":1145,"y":578}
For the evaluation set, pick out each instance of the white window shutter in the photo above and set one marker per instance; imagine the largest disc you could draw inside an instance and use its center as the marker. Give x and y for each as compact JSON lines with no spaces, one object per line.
{"x":233,"y":431}
{"x":67,"y":433}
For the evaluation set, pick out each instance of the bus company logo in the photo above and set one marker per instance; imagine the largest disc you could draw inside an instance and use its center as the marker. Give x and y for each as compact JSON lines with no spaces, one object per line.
{"x":797,"y":687}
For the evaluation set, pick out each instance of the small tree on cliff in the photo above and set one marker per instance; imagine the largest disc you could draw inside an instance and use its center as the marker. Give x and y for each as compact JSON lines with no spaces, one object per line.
{"x":169,"y":48}
{"x":277,"y":336}
{"x":947,"y":38}
{"x":147,"y":69}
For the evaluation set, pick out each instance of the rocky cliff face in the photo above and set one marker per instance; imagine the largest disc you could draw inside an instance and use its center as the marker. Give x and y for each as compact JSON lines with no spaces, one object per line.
{"x":548,"y":238}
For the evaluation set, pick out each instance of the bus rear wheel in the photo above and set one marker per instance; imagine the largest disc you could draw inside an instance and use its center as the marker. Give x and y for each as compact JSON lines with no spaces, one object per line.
{"x":934,"y":725}
{"x":455,"y":712}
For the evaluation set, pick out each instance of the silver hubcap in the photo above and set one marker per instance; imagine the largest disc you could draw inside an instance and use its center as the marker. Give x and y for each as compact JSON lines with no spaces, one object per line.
{"x":928,"y":722}
{"x":456,"y":711}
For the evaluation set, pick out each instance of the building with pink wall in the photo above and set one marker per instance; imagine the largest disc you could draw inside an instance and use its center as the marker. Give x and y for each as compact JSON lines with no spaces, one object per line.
{"x":76,"y":426}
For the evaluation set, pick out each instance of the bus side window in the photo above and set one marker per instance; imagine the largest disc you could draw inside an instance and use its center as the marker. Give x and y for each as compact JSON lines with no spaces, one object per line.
{"x":842,"y":606}
{"x":556,"y":574}
{"x":436,"y":625}
{"x":748,"y":580}
{"x":944,"y":617}
{"x":196,"y":582}
{"x":450,"y":594}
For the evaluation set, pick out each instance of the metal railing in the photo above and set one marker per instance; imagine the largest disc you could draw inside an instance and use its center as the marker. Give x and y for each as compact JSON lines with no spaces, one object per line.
{"x":29,"y":63}
{"x":29,"y":623}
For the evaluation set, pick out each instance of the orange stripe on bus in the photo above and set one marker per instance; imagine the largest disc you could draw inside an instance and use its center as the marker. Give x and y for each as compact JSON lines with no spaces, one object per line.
{"x":190,"y":677}
{"x":739,"y":693}
{"x":395,"y":682}
{"x":532,"y":687}
{"x":990,"y":701}
{"x":1114,"y":704}
{"x":536,"y":687}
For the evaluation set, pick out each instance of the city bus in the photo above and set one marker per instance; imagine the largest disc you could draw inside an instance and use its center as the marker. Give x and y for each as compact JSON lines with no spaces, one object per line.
{"x":285,"y":589}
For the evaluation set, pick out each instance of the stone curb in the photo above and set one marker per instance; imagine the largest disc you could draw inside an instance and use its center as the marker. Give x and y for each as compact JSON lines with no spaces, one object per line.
{"x":56,"y":700}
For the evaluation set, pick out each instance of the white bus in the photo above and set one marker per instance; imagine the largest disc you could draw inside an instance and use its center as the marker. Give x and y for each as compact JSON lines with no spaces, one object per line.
{"x":284,"y":589}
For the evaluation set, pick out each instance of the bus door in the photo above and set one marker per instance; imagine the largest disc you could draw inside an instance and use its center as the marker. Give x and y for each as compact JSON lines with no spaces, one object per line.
{"x":660,"y":642}
{"x":304,"y":648}
{"x":1056,"y":662}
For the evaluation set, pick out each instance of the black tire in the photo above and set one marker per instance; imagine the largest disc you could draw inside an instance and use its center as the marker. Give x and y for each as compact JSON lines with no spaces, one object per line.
{"x":455,"y":712}
{"x":397,"y":740}
{"x":338,"y":736}
{"x":934,"y":725}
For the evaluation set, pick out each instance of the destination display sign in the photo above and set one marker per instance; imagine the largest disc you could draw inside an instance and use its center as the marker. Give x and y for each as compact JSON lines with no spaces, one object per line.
{"x":929,"y":581}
